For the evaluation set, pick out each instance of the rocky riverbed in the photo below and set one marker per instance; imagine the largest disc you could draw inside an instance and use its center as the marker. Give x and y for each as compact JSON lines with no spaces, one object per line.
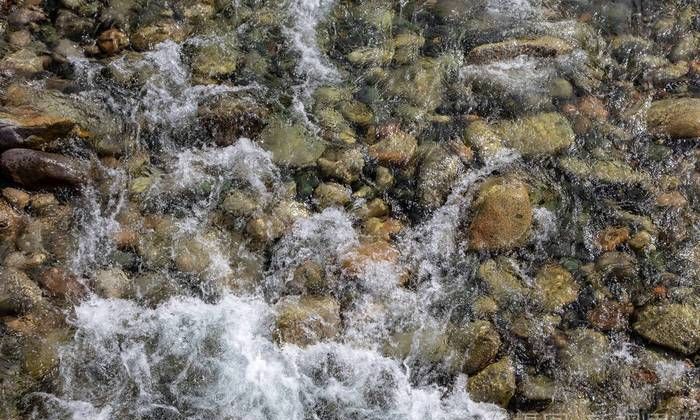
{"x":349,"y":209}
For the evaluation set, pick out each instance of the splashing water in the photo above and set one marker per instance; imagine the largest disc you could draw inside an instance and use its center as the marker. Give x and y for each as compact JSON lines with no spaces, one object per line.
{"x":187,"y":359}
{"x":312,"y":67}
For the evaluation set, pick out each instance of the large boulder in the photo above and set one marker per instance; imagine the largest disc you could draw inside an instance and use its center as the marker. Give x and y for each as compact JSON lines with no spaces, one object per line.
{"x":676,"y":118}
{"x":503,"y":215}
{"x":675,"y":326}
{"x":47,"y":114}
{"x":33,"y":168}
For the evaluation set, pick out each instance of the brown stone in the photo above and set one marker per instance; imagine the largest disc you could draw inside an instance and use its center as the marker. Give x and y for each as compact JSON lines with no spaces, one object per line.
{"x":503,"y":215}
{"x":593,"y":108}
{"x":112,"y":41}
{"x":33,"y":168}
{"x":61,"y":284}
{"x":612,"y":237}
{"x":371,"y":252}
{"x":18,"y":198}
{"x":610,"y":315}
{"x":25,"y":128}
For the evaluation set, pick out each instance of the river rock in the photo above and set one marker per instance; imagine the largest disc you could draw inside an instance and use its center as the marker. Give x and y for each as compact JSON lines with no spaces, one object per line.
{"x":291,"y":145}
{"x":396,"y":148}
{"x":232,"y":115}
{"x":18,"y":293}
{"x":605,"y":171}
{"x":488,"y":145}
{"x":456,"y":10}
{"x":18,"y":198}
{"x":365,"y":56}
{"x":334,"y":128}
{"x":676,"y":326}
{"x":372,"y":252}
{"x":21,"y":63}
{"x":10,"y":221}
{"x":240,"y":203}
{"x":94,"y":121}
{"x":437,"y":173}
{"x":146,"y":37}
{"x":407,"y":46}
{"x":546,"y":46}
{"x":61,"y":284}
{"x":676,"y":118}
{"x":344,"y":164}
{"x":33,"y":168}
{"x":585,"y":356}
{"x":502,"y":281}
{"x":28,"y":130}
{"x":503,"y":215}
{"x":494,"y":384}
{"x":307,"y":320}
{"x":309,"y":277}
{"x":480,"y":343}
{"x":112,"y":283}
{"x":112,"y":41}
{"x":555,"y":287}
{"x":332,"y":194}
{"x":215,"y":59}
{"x":420,"y":83}
{"x":536,"y":135}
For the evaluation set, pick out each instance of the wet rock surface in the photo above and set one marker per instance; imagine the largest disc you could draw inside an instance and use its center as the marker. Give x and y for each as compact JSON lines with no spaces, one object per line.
{"x":349,"y":209}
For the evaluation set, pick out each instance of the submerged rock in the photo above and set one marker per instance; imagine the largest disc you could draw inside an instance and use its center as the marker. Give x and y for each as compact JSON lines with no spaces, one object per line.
{"x":605,"y":171}
{"x":503,"y":215}
{"x":494,"y":384}
{"x":32,"y":168}
{"x":331,"y":194}
{"x":438,"y":170}
{"x":675,"y":326}
{"x":396,"y":148}
{"x":307,"y":320}
{"x":146,"y":37}
{"x":291,"y":145}
{"x":230,"y":116}
{"x":503,"y":283}
{"x":676,"y":118}
{"x":586,"y":356}
{"x":546,"y":46}
{"x":112,"y":283}
{"x":18,"y":293}
{"x":21,"y":63}
{"x":28,"y":130}
{"x":555,"y":287}
{"x":480,"y":343}
{"x":540,"y":134}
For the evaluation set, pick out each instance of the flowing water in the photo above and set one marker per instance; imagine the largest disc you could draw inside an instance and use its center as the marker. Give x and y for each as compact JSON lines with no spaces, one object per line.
{"x":195,"y":358}
{"x":195,"y":335}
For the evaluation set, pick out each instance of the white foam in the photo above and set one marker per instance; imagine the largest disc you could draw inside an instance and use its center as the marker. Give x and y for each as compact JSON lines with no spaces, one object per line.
{"x":205,"y":361}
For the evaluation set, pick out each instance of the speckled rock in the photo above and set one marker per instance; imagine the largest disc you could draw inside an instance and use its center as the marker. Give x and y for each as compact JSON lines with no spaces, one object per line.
{"x":675,"y":326}
{"x":503,"y":215}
